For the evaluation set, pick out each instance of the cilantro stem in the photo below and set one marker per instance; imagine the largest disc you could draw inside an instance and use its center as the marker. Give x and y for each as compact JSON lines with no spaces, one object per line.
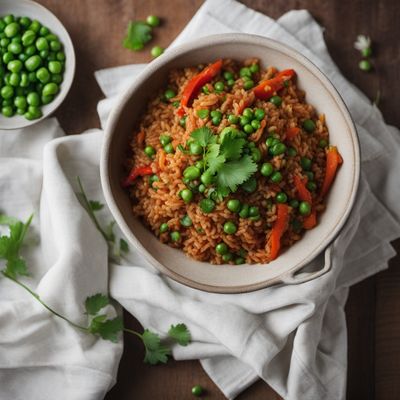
{"x":36,"y":296}
{"x":133,"y":333}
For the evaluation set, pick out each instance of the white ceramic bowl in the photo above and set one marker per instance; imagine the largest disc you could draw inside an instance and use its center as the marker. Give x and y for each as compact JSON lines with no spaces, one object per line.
{"x":227,"y":278}
{"x":28,"y":8}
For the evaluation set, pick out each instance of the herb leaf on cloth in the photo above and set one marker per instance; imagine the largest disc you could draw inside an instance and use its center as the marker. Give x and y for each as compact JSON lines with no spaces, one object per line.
{"x":180,"y":333}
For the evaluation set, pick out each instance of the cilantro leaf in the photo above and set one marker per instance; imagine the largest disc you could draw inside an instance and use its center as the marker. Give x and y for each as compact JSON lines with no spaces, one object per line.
{"x":204,"y":136}
{"x":15,"y":267}
{"x":6,"y":220}
{"x":123,"y":245}
{"x":95,"y":303}
{"x":109,"y":231}
{"x":95,"y":205}
{"x":155,"y":351}
{"x":4,"y":246}
{"x":108,"y":329}
{"x":137,"y":35}
{"x":234,"y":173}
{"x":232,"y":147}
{"x":213,"y":160}
{"x":180,"y":333}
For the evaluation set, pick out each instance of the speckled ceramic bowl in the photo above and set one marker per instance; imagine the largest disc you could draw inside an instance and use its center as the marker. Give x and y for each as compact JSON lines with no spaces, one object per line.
{"x":28,"y":8}
{"x":227,"y":278}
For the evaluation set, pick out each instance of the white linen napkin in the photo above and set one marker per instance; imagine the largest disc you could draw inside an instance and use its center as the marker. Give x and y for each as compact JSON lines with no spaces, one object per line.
{"x":294,"y":337}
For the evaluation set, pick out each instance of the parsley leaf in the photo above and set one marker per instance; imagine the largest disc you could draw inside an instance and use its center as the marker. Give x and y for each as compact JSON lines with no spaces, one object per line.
{"x":137,"y":35}
{"x":155,"y":351}
{"x":123,"y":245}
{"x":180,"y":333}
{"x":204,"y":136}
{"x":234,"y":173}
{"x":95,"y":205}
{"x":95,"y":303}
{"x":108,"y":329}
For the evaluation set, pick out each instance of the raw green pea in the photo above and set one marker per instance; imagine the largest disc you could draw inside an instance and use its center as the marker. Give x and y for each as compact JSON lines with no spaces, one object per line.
{"x":168,"y":148}
{"x":276,"y":177}
{"x":281,"y":197}
{"x":153,"y":20}
{"x":33,"y":63}
{"x":366,"y":52}
{"x":32,"y":77}
{"x":44,"y":54}
{"x":233,"y":205}
{"x":239,"y":260}
{"x":312,"y":186}
{"x":271,"y":141}
{"x":254,"y":68}
{"x":155,"y":52}
{"x":294,"y":203}
{"x":248,"y":113}
{"x":186,"y":221}
{"x":20,"y":111}
{"x":43,"y":75}
{"x":6,"y":78}
{"x":305,"y":208}
{"x":12,"y":29}
{"x":7,"y":111}
{"x":20,"y":102}
{"x":259,"y":114}
{"x":230,"y":228}
{"x":255,"y":124}
{"x":149,"y":151}
{"x":254,"y":211}
{"x":276,"y":100}
{"x":164,"y":227}
{"x":52,"y":56}
{"x":7,"y":57}
{"x":227,"y":257}
{"x":9,"y":18}
{"x":202,"y":188}
{"x":277,"y":149}
{"x":267,"y":169}
{"x":191,"y":173}
{"x":50,"y":89}
{"x":250,"y":185}
{"x":364,"y":65}
{"x":244,"y":212}
{"x":56,"y":78}
{"x":245,"y":72}
{"x":8,"y":102}
{"x":248,"y":129}
{"x":39,"y":87}
{"x":216,"y":120}
{"x":306,"y":163}
{"x":60,"y":56}
{"x":323,"y":143}
{"x":30,"y":50}
{"x":221,"y":248}
{"x":207,"y":205}
{"x":4,"y":42}
{"x":175,"y":236}
{"x":2,"y":25}
{"x":248,"y":84}
{"x":16,"y":39}
{"x":186,"y":195}
{"x":219,"y":86}
{"x":228,"y":75}
{"x":203,"y":113}
{"x":309,"y":125}
{"x":14,"y":79}
{"x":33,"y":99}
{"x":14,"y":66}
{"x":195,"y":148}
{"x":292,"y":152}
{"x":233,"y":119}
{"x":230,"y":82}
{"x":35,"y":26}
{"x":7,"y":92}
{"x":169,"y":94}
{"x":28,"y":38}
{"x":256,"y":154}
{"x":15,"y":48}
{"x":42,"y":44}
{"x":165,"y":139}
{"x":206,"y":178}
{"x":152,"y":179}
{"x":197,"y":390}
{"x":309,"y":175}
{"x":44,"y":31}
{"x":22,"y":57}
{"x":35,"y":111}
{"x":25,"y":21}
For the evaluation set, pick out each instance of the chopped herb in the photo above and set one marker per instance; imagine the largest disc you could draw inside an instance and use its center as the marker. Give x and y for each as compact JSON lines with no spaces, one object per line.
{"x":137,"y":35}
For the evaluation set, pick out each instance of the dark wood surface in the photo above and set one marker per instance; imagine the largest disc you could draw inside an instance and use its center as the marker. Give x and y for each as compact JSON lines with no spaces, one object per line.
{"x":373,"y":309}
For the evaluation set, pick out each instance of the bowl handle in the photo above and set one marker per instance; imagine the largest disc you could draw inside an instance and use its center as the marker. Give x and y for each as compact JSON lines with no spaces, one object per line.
{"x":291,"y":279}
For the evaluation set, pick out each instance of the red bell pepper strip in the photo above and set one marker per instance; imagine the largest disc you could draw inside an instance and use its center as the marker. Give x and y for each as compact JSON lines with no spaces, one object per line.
{"x":292,"y":132}
{"x":310,"y":221}
{"x":304,"y":194}
{"x":197,"y":82}
{"x":266,"y":89}
{"x":278,"y":229}
{"x":333,"y":160}
{"x":135,"y":172}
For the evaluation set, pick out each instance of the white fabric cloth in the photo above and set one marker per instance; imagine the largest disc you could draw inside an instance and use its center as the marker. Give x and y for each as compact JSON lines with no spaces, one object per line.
{"x":294,"y":337}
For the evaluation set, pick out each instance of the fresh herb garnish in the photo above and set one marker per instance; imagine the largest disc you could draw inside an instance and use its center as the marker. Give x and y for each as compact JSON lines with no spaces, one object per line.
{"x":180,"y":334}
{"x":137,"y":35}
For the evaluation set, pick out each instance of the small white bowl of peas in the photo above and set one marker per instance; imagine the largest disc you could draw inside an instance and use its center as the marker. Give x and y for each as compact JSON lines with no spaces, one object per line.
{"x":37,"y":63}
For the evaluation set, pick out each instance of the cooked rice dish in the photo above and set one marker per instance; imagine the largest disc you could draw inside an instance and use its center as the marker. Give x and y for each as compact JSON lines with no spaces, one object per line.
{"x":229,"y":163}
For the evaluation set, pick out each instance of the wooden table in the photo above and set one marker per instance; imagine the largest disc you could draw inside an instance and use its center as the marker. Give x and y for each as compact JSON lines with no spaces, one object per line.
{"x":373,"y":310}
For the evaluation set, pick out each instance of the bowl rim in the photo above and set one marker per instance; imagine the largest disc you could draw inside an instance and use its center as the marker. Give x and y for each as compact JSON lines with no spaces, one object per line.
{"x":198,"y":44}
{"x":65,"y":88}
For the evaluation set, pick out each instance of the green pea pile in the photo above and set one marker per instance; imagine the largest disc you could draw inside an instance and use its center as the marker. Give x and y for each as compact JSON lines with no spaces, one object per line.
{"x":31,"y":66}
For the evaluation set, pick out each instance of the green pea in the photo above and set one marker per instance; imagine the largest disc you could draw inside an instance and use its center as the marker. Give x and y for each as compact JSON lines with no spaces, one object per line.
{"x":168,"y":148}
{"x":9,"y":18}
{"x":52,"y":56}
{"x":152,"y":179}
{"x":277,"y":149}
{"x":33,"y":99}
{"x":276,"y":100}
{"x":216,"y":120}
{"x":309,"y":175}
{"x":207,"y":205}
{"x":216,"y":113}
{"x":182,"y":121}
{"x":305,"y":208}
{"x":206,"y":178}
{"x":14,"y":66}
{"x":276,"y":177}
{"x":175,"y":236}
{"x":15,"y":48}
{"x":14,"y":79}
{"x":6,"y":103}
{"x":292,"y":152}
{"x":244,"y":212}
{"x":35,"y":112}
{"x":254,"y":211}
{"x":60,"y":56}
{"x":294,"y":203}
{"x":28,"y":38}
{"x":239,"y":260}
{"x":201,"y":188}
{"x":186,"y":195}
{"x":221,"y":248}
{"x":191,"y":173}
{"x":323,"y":143}
{"x":55,"y":45}
{"x":33,"y":63}
{"x":309,"y":125}
{"x":20,"y":102}
{"x":43,"y":75}
{"x":267,"y":169}
{"x":219,"y":86}
{"x":312,"y":186}
{"x":7,"y":57}
{"x":245,"y":72}
{"x":44,"y":31}
{"x":233,"y":205}
{"x":47,"y":99}
{"x":248,"y":129}
{"x":259,"y":114}
{"x":365,"y":65}
{"x":39,"y":87}
{"x":203,"y":113}
{"x":164,"y":227}
{"x":205,"y":90}
{"x":165,"y":139}
{"x":42,"y":44}
{"x":50,"y":89}
{"x":255,"y":218}
{"x":149,"y":151}
{"x":56,"y":78}
{"x":248,"y":113}
{"x":35,"y":26}
{"x":156,"y":51}
{"x":255,"y":124}
{"x":7,"y":111}
{"x":186,"y":221}
{"x":195,"y":148}
{"x":228,"y":75}
{"x":248,"y":84}
{"x":7,"y":92}
{"x":169,"y":94}
{"x":197,"y":390}
{"x":44,"y":54}
{"x":250,"y":185}
{"x":305,"y":163}
{"x":281,"y":197}
{"x":30,"y":50}
{"x":230,"y":82}
{"x":244,"y":121}
{"x":32,"y":77}
{"x":4,"y":42}
{"x":22,"y":57}
{"x":230,"y":228}
{"x":12,"y":29}
{"x":233,"y":119}
{"x":227,"y":257}
{"x":153,"y":20}
{"x":254,"y":68}
{"x":271,"y":141}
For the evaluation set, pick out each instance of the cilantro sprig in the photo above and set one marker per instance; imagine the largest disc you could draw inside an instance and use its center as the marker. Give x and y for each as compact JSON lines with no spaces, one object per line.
{"x":137,"y":35}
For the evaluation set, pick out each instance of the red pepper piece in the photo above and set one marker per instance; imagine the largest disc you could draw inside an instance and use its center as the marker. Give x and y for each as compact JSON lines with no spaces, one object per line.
{"x":292,"y":132}
{"x":333,"y":160}
{"x":304,"y":194}
{"x":279,"y":228}
{"x":266,"y":89}
{"x":135,"y":172}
